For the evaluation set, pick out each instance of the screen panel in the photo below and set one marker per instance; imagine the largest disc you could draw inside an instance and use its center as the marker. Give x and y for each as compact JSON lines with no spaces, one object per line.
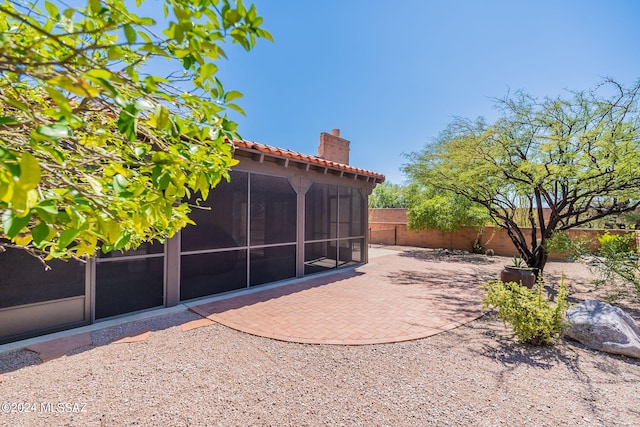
{"x":25,"y":281}
{"x":321,"y":212}
{"x":319,"y":256}
{"x":126,"y":286}
{"x":272,"y":264}
{"x":212,"y":273}
{"x":273,"y":210}
{"x":222,"y":220}
{"x":350,"y":252}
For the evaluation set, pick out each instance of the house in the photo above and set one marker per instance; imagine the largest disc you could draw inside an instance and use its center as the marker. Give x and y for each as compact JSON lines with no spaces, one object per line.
{"x":283,"y":215}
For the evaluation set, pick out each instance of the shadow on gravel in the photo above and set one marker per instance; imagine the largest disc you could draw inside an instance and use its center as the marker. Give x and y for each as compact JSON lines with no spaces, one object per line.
{"x":512,"y":354}
{"x":431,"y":277}
{"x":17,"y":359}
{"x":435,"y":255}
{"x":506,"y":349}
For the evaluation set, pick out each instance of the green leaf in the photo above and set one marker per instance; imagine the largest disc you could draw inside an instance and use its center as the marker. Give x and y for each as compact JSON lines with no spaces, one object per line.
{"x":52,"y":9}
{"x":145,"y":21}
{"x":12,"y":224}
{"x":95,"y":184}
{"x":130,"y":34}
{"x":265,"y":34}
{"x":203,"y":186}
{"x":163,"y":181}
{"x":78,"y":218}
{"x":95,"y":7}
{"x":66,"y":237}
{"x":181,"y":14}
{"x":237,"y":108}
{"x":6,"y":191}
{"x":127,"y":122}
{"x":115,"y":53}
{"x":133,"y":73}
{"x":23,"y":200}
{"x":122,"y":241}
{"x":120,"y":183}
{"x":187,"y":62}
{"x":54,"y":131}
{"x":231,"y":95}
{"x":99,"y":73}
{"x":232,"y":16}
{"x":208,"y":70}
{"x":8,"y":121}
{"x":47,"y":206}
{"x":252,"y":14}
{"x":161,"y":116}
{"x":103,"y":78}
{"x":61,"y":100}
{"x":40,"y":232}
{"x":30,"y":173}
{"x":107,"y":85}
{"x":15,"y":103}
{"x":74,"y":85}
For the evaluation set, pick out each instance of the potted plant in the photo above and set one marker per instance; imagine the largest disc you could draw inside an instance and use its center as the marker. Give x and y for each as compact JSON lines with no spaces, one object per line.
{"x":519,"y":272}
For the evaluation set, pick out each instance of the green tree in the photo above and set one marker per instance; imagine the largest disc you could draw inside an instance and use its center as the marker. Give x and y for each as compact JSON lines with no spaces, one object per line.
{"x":445,"y":211}
{"x":110,"y":120}
{"x":577,"y":158}
{"x":388,"y":195}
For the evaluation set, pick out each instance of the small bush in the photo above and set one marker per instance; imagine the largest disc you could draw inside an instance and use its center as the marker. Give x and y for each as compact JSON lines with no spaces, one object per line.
{"x":531,"y":314}
{"x":611,"y":244}
{"x":615,"y":265}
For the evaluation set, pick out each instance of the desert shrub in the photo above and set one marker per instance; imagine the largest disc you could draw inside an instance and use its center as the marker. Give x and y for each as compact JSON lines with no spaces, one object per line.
{"x":612,"y":244}
{"x":573,"y":249}
{"x":614,"y":265}
{"x":617,"y":268}
{"x":535,"y":319}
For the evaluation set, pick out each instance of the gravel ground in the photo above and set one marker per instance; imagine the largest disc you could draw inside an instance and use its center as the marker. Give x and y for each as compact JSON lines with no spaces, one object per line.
{"x":475,"y":375}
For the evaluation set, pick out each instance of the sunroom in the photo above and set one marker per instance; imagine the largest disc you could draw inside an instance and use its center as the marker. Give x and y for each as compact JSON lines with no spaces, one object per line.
{"x":283,"y":215}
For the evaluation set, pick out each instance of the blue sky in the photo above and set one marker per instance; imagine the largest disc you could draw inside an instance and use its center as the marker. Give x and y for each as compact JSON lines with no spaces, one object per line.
{"x":392,"y":75}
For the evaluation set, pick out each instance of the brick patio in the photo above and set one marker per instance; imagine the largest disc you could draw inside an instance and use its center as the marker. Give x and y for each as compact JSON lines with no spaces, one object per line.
{"x":393,"y":298}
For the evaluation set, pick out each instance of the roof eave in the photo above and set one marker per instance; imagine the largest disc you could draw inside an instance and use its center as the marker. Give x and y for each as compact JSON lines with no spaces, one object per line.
{"x":306,"y":160}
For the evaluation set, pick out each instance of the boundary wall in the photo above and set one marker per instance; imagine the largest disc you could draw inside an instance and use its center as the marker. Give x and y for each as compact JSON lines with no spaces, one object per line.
{"x":390,"y":227}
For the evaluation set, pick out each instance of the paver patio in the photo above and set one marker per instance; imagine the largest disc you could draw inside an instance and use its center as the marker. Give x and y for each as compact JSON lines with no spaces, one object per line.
{"x":393,"y":298}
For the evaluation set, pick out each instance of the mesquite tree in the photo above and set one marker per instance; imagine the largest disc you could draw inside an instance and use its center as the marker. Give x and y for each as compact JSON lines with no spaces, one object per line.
{"x":109,"y":120}
{"x":563,"y":161}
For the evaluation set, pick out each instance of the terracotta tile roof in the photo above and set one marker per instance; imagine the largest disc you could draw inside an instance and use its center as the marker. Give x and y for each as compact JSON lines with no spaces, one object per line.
{"x":294,"y":155}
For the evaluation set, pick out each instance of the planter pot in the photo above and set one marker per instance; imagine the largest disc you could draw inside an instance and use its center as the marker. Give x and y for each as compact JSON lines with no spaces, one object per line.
{"x":524,"y":276}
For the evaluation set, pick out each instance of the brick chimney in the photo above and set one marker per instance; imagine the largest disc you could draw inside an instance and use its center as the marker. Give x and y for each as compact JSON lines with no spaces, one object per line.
{"x":334,"y":148}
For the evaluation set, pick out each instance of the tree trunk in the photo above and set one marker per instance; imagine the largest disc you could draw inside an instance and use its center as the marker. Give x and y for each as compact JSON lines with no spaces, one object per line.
{"x":535,"y":257}
{"x":539,"y":259}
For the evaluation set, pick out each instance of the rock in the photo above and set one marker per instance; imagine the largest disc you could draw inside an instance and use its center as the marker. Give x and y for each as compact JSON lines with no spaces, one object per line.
{"x":604,"y":327}
{"x":591,"y":260}
{"x":459,"y":252}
